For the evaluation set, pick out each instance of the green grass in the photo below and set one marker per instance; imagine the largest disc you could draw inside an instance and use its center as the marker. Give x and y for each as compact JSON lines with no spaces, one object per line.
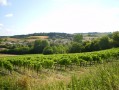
{"x":102,"y":77}
{"x":18,"y":72}
{"x":98,"y":77}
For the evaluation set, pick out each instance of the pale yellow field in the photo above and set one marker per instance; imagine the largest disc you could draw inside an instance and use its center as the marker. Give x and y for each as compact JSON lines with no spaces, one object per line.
{"x":13,"y":39}
{"x":5,"y":55}
{"x":38,"y":37}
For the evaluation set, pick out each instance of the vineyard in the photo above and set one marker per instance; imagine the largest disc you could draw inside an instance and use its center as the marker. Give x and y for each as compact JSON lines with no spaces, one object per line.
{"x":39,"y":63}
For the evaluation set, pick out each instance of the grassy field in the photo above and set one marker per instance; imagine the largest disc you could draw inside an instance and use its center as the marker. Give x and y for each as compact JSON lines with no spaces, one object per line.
{"x":6,"y":55}
{"x":99,"y":77}
{"x":33,"y":38}
{"x":38,"y":37}
{"x":29,"y":39}
{"x":61,"y":71}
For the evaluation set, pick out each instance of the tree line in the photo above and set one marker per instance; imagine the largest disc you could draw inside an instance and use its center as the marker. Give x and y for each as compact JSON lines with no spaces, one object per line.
{"x":75,"y":46}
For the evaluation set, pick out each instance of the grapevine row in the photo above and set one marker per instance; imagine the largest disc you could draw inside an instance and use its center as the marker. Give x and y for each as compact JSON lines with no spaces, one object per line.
{"x":39,"y":62}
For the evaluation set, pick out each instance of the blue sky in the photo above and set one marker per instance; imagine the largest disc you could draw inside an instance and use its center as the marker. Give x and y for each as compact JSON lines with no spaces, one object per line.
{"x":70,"y":16}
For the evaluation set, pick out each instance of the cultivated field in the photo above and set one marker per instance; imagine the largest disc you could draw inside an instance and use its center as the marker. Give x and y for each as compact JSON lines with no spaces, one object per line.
{"x":82,"y":71}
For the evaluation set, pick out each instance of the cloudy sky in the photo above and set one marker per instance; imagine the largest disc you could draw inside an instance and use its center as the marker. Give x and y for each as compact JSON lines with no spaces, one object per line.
{"x":70,"y":16}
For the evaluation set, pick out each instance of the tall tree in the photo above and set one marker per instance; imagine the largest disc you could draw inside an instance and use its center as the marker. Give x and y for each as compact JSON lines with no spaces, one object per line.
{"x":115,"y":38}
{"x":39,"y":45}
{"x":1,"y":40}
{"x":78,"y":38}
{"x":104,"y":42}
{"x":75,"y":48}
{"x":48,"y":50}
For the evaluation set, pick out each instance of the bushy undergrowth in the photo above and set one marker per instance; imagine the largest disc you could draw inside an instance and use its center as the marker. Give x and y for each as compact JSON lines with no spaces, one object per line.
{"x":104,"y":77}
{"x":13,"y":83}
{"x":100,"y":77}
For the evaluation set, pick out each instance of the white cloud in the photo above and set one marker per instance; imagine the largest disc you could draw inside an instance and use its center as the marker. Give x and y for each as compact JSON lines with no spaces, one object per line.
{"x":76,"y":18}
{"x":4,"y":2}
{"x":5,"y":31}
{"x":1,"y":24}
{"x":9,"y":15}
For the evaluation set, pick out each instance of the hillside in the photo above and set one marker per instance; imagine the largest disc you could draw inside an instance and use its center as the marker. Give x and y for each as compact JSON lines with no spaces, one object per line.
{"x":69,"y":71}
{"x":59,"y":35}
{"x":58,"y":43}
{"x":50,"y":35}
{"x":35,"y":36}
